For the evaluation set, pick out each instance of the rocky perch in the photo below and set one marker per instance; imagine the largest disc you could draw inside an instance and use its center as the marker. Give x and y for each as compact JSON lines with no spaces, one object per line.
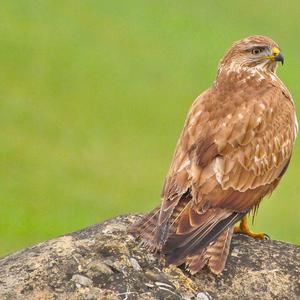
{"x":105,"y":262}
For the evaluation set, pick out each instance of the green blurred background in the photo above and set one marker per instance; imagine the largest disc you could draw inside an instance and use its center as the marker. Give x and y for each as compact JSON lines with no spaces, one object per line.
{"x":93,"y":98}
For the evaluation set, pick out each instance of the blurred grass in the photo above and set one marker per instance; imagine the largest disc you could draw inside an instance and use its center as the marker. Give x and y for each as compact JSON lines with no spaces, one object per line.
{"x":93,"y":98}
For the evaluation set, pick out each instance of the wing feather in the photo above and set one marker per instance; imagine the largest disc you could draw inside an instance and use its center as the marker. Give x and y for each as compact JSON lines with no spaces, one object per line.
{"x":233,"y":150}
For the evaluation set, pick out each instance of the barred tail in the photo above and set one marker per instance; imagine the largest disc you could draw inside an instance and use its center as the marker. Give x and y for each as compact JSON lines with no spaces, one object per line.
{"x":146,"y":227}
{"x":215,"y":255}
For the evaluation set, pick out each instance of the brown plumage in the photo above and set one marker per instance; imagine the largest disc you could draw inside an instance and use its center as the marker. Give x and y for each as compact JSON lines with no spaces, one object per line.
{"x":234,"y":148}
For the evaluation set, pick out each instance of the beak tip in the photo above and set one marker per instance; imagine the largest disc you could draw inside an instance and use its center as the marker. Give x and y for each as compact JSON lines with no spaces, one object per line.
{"x":280,"y":58}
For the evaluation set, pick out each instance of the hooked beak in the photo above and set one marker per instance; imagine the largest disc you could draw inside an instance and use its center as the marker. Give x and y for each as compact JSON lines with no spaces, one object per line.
{"x":276,"y":55}
{"x":279,"y":57}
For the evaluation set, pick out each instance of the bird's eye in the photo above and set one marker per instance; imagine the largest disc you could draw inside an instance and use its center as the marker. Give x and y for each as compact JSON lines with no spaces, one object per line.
{"x":257,"y":51}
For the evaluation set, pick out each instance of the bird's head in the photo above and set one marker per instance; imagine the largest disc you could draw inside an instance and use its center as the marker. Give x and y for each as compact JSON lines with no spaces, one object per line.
{"x":253,"y":52}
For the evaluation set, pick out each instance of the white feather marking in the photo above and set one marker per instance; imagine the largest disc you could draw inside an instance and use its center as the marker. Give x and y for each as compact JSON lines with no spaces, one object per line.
{"x":296,"y":125}
{"x":285,"y":143}
{"x":273,"y":77}
{"x":262,"y":105}
{"x":196,"y":116}
{"x":261,"y":76}
{"x":184,"y":165}
{"x":218,"y":170}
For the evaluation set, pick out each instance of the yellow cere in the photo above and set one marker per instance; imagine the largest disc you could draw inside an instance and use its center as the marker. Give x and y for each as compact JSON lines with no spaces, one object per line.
{"x":275,"y":51}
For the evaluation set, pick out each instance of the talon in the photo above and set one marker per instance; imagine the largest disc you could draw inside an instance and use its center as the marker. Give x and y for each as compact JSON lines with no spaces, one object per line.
{"x":243,"y":228}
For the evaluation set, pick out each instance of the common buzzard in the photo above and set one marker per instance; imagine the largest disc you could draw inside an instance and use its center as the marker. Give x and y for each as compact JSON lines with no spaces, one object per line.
{"x":235,"y":146}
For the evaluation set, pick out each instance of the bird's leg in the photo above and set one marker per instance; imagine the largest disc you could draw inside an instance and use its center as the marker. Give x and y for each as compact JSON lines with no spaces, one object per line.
{"x":243,"y":228}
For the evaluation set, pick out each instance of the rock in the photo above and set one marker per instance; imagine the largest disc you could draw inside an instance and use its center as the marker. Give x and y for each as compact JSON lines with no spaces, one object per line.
{"x":203,"y":296}
{"x":105,"y":262}
{"x":135,"y":264}
{"x":81,"y":280}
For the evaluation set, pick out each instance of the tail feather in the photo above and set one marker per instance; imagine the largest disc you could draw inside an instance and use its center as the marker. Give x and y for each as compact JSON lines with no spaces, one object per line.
{"x":194,"y":238}
{"x":201,"y":239}
{"x":218,"y":251}
{"x":153,"y":233}
{"x":196,"y":262}
{"x":145,"y":228}
{"x":215,"y":255}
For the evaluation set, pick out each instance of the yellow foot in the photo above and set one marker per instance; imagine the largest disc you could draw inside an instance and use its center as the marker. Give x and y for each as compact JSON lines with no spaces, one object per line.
{"x":243,"y":228}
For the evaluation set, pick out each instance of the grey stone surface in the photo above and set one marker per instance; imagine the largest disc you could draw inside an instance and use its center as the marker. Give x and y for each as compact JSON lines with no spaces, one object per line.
{"x":105,"y":262}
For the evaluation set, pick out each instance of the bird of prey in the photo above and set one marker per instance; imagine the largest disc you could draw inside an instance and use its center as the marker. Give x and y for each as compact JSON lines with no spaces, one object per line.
{"x":235,"y":146}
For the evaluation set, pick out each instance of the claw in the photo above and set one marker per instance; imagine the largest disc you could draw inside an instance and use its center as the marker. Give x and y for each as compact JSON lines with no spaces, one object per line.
{"x":243,"y":228}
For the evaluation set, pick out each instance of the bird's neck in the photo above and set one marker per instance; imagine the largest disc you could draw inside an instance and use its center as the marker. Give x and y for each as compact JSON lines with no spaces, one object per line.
{"x":239,"y":75}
